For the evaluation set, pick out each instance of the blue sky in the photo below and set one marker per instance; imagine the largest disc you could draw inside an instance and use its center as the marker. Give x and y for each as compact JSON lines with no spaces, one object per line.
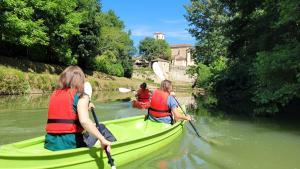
{"x":144,"y":17}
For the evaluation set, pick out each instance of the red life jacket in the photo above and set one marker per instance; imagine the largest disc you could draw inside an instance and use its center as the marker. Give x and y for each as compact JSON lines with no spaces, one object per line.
{"x":144,"y":95}
{"x":159,"y":104}
{"x":61,"y":115}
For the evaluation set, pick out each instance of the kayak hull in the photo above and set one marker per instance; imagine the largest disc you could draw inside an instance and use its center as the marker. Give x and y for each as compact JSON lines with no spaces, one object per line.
{"x":135,"y":139}
{"x":140,"y":105}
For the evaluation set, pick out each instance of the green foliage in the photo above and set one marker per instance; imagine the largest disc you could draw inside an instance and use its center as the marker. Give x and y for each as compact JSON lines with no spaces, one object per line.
{"x":44,"y":82}
{"x":260,"y":41}
{"x":115,"y":40}
{"x":202,"y":74}
{"x":13,"y":82}
{"x":207,"y":19}
{"x":107,"y":63}
{"x":48,"y":24}
{"x":20,"y":27}
{"x":151,"y":49}
{"x":110,"y":19}
{"x":64,"y":32}
{"x":277,"y":75}
{"x":85,"y":45}
{"x":206,"y":76}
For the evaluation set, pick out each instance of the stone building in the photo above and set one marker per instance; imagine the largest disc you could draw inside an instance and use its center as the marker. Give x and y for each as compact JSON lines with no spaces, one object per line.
{"x":175,"y":69}
{"x":181,"y":55}
{"x":159,"y":36}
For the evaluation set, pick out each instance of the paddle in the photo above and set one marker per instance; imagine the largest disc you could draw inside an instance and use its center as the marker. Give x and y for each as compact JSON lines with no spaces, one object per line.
{"x":159,"y":73}
{"x":125,"y":90}
{"x":101,"y":127}
{"x":107,"y":134}
{"x":196,"y":131}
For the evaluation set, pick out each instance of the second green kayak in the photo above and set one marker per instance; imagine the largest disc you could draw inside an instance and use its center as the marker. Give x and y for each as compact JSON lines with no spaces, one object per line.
{"x":135,"y":139}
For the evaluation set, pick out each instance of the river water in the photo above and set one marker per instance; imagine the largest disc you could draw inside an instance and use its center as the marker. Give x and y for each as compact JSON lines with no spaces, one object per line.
{"x":231,"y":142}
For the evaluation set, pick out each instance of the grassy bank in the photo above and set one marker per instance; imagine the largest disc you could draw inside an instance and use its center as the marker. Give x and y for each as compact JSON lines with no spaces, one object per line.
{"x":23,"y":77}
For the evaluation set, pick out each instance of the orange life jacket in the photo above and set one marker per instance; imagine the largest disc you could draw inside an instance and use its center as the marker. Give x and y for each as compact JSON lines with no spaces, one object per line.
{"x":159,"y":104}
{"x":61,"y":115}
{"x":143,"y":95}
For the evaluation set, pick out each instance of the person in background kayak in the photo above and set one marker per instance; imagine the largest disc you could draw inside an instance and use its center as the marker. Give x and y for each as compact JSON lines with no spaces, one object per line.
{"x":163,"y":107}
{"x":68,"y":113}
{"x":143,"y":94}
{"x":143,"y":97}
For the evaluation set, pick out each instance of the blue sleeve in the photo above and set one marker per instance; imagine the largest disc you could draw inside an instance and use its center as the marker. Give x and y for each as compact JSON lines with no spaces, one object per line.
{"x":172,"y":102}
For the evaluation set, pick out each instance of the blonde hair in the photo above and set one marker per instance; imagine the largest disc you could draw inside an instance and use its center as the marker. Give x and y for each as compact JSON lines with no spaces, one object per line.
{"x":166,"y":85}
{"x":72,"y":77}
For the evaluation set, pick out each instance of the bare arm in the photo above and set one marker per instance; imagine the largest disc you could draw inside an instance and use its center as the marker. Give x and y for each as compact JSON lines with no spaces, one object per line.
{"x":179,"y":116}
{"x":85,"y":121}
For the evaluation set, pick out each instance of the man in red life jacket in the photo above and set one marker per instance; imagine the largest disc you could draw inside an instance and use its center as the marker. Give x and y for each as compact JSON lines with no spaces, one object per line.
{"x":163,"y":107}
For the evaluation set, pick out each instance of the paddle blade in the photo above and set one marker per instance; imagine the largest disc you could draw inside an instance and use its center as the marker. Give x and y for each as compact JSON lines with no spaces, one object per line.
{"x":88,"y":89}
{"x":157,"y":70}
{"x":124,"y":90}
{"x":90,"y":140}
{"x":106,"y":133}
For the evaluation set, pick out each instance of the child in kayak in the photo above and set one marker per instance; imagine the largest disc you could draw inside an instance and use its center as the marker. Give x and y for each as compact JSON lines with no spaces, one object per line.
{"x":68,"y":113}
{"x":163,"y":107}
{"x":143,"y":97}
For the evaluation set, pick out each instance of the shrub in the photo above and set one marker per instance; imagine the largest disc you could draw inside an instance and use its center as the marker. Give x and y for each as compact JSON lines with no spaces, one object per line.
{"x":107,"y":63}
{"x":13,"y":82}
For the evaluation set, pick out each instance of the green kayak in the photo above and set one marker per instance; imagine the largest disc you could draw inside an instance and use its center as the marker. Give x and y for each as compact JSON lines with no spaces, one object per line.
{"x":135,"y":139}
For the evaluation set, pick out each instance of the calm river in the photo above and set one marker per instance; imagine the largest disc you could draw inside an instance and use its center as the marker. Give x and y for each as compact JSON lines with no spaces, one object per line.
{"x":241,"y":143}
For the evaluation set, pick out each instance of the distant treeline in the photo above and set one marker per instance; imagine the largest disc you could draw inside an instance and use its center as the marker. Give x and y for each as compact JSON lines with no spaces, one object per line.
{"x":247,"y":53}
{"x":66,"y":32}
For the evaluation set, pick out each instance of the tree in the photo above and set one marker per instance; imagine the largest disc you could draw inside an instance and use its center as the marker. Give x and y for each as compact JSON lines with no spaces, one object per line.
{"x":20,"y":26}
{"x":207,"y":19}
{"x":85,"y":45}
{"x":115,"y":40}
{"x":207,"y":24}
{"x":48,"y":25}
{"x":261,"y":45}
{"x":151,"y":48}
{"x":65,"y":32}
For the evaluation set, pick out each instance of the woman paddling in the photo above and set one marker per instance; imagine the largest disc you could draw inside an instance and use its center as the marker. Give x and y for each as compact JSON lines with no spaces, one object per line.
{"x":143,"y":97}
{"x":68,"y":113}
{"x":163,"y":107}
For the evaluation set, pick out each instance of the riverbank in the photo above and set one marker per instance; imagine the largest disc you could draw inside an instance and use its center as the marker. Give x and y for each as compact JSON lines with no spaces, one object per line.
{"x":25,"y":77}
